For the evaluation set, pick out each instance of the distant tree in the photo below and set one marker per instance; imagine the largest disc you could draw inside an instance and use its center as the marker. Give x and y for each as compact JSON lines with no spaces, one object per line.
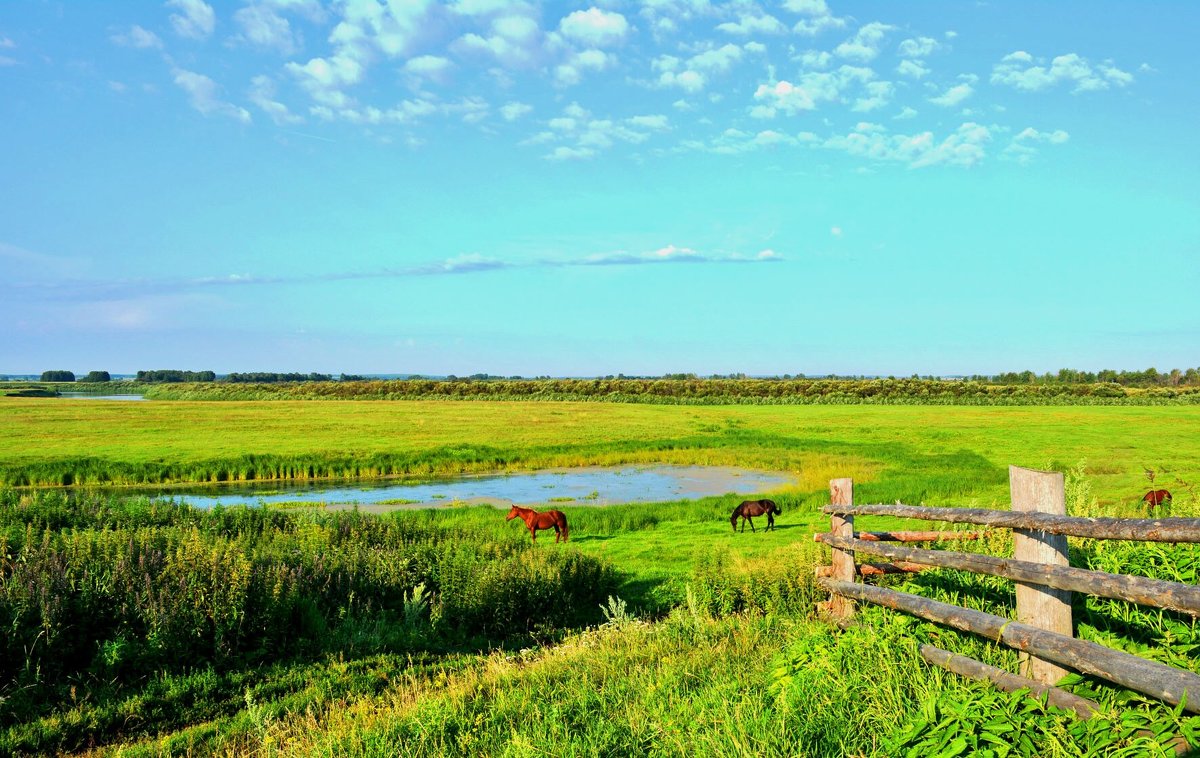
{"x":272,"y":377}
{"x":352,"y":378}
{"x":174,"y":375}
{"x":58,"y":376}
{"x":97,"y":377}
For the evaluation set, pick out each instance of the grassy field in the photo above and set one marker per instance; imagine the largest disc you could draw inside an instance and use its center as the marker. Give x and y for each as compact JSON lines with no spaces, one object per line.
{"x":709,"y":643}
{"x":931,"y":454}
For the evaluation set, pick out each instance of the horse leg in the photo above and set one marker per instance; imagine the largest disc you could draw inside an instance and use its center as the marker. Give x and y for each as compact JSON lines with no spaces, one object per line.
{"x":533,"y":532}
{"x":557,"y":533}
{"x":752,"y":529}
{"x":770,"y":521}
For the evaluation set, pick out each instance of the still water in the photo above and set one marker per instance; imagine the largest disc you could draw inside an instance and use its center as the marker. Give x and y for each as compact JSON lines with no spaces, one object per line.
{"x":90,"y":396}
{"x":578,"y":486}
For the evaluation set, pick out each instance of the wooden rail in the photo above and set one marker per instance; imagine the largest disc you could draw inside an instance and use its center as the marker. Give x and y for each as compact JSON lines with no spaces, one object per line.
{"x":1042,"y":632}
{"x":918,"y":536}
{"x":973,"y":669}
{"x":1136,"y":589}
{"x":1156,"y":679}
{"x":1136,"y":529}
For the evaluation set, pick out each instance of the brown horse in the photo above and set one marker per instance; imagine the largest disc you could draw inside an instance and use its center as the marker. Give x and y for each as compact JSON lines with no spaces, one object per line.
{"x":549,"y":520}
{"x":750,"y":508}
{"x":1156,"y":497}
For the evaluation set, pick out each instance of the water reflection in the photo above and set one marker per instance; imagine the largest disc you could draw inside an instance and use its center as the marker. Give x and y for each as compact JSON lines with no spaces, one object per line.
{"x":581,"y":486}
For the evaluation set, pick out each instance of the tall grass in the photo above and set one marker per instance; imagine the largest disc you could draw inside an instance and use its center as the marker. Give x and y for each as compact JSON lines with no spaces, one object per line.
{"x":697,"y":392}
{"x":97,"y":594}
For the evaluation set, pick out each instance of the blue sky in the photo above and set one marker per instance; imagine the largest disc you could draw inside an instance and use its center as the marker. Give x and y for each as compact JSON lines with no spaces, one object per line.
{"x":581,"y":189}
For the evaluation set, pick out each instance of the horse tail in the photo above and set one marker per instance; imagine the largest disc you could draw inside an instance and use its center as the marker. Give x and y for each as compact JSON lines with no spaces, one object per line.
{"x":565,"y":530}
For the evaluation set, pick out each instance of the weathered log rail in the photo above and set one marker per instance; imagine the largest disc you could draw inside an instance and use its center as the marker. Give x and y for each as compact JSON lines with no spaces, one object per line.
{"x":1042,"y":631}
{"x":1149,"y":677}
{"x":1174,"y":596}
{"x":918,"y":536}
{"x":1134,"y":529}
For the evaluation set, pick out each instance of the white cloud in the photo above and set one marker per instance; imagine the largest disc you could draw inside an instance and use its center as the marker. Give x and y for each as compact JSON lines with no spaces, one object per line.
{"x":693,"y":74}
{"x":953,"y":96}
{"x":656,"y":122}
{"x":429,"y":67}
{"x":964,"y":148}
{"x":571,"y":72}
{"x":748,"y":24}
{"x":717,"y":59}
{"x":263,"y":25}
{"x":1021,"y":148}
{"x":670,"y":254}
{"x":203,"y":93}
{"x":814,"y":87}
{"x":819,"y":18}
{"x":136,"y":37}
{"x":914,"y":69}
{"x":563,"y":153}
{"x":578,"y":134}
{"x":864,"y":45}
{"x":906,"y":113}
{"x":514,"y":110}
{"x":735,"y":141}
{"x":836,"y":231}
{"x":8,"y":44}
{"x":366,"y":31}
{"x":367,"y":27}
{"x":484,"y":7}
{"x":808,"y":7}
{"x":782,"y":96}
{"x":1070,"y":69}
{"x":815,"y":59}
{"x":196,"y":21}
{"x":514,"y":41}
{"x":326,"y":78}
{"x":262,"y":94}
{"x":469,"y":109}
{"x":688,"y":81}
{"x":1056,"y":137}
{"x":594,"y":27}
{"x":920,"y":47}
{"x":878,"y":94}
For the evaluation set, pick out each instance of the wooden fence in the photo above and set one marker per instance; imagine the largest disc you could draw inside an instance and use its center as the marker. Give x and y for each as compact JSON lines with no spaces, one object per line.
{"x":1042,"y":631}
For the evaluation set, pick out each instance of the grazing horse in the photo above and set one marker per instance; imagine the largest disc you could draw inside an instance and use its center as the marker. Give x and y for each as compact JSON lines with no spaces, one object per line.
{"x":549,"y":520}
{"x":1156,"y":497}
{"x":750,"y":508}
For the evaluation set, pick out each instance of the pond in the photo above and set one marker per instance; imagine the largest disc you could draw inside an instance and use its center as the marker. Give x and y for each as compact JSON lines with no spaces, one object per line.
{"x":577,"y":486}
{"x":92,"y":396}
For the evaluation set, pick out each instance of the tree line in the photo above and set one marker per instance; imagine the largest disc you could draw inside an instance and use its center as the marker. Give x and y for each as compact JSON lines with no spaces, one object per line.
{"x":1150,"y":377}
{"x":69,"y":376}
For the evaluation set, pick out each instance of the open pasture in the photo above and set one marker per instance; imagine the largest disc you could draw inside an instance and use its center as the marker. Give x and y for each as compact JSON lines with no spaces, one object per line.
{"x":718,"y":651}
{"x":938,"y":455}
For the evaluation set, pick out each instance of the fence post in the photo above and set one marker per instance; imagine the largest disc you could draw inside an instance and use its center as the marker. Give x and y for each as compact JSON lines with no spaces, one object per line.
{"x":1038,"y":605}
{"x":841,"y":492}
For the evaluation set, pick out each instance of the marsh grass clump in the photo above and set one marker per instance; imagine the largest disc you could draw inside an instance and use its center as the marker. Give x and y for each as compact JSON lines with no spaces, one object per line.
{"x":99,"y":595}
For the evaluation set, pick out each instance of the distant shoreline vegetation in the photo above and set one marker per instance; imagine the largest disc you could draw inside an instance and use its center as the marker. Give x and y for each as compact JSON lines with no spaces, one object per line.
{"x":1066,"y":387}
{"x":693,"y":391}
{"x":1150,"y":377}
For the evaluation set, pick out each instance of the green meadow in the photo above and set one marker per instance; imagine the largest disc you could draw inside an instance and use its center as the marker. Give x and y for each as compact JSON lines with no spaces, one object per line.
{"x":935,"y":454}
{"x":131,"y":625}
